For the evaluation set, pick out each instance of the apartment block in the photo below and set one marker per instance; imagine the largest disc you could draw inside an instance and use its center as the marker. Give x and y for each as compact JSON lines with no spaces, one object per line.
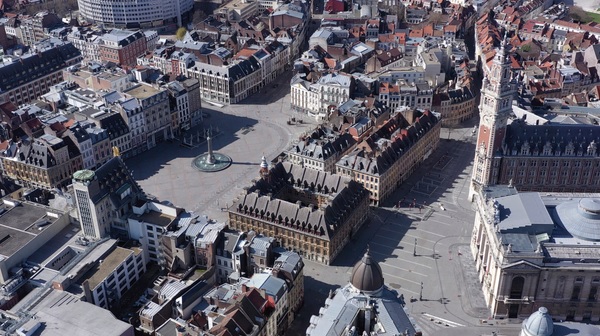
{"x":392,"y":152}
{"x":31,"y":75}
{"x":47,"y":162}
{"x":122,"y":47}
{"x":115,"y":273}
{"x":154,"y":103}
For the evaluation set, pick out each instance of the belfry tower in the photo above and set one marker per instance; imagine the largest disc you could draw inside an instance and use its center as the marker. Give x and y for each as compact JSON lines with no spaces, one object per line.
{"x":495,"y":106}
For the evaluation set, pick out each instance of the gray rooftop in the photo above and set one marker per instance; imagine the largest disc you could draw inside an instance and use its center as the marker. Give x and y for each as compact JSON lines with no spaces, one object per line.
{"x":81,"y":318}
{"x":343,"y":311}
{"x":524,"y":213}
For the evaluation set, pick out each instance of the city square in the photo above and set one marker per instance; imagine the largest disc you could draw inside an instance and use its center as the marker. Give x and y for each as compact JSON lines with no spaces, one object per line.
{"x":424,"y":242}
{"x":300,"y":168}
{"x":246,"y":133}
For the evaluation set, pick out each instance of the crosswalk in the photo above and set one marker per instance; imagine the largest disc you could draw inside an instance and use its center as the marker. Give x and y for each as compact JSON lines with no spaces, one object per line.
{"x":432,"y":325}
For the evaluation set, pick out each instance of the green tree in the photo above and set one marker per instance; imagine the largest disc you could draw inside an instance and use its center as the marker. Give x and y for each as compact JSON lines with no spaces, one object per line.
{"x":180,"y":34}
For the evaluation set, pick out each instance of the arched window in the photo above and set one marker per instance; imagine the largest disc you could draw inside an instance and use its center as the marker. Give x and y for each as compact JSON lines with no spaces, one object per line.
{"x":516,"y":287}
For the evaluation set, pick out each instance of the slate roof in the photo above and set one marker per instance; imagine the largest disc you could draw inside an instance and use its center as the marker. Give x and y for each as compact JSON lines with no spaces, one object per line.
{"x":320,"y":145}
{"x":243,"y":68}
{"x":378,"y":152}
{"x":112,"y":122}
{"x":123,"y":37}
{"x":347,"y":194}
{"x":344,"y":310}
{"x":111,"y":177}
{"x":523,"y":213}
{"x":193,"y":293}
{"x":557,"y":138}
{"x":33,"y":66}
{"x":289,"y":263}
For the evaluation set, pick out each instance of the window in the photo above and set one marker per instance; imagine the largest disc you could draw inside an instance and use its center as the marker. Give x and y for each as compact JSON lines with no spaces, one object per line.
{"x":593,"y":296}
{"x":576,"y":292}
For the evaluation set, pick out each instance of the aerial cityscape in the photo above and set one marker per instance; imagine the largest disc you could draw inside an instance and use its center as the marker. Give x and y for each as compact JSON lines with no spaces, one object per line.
{"x":300,"y":167}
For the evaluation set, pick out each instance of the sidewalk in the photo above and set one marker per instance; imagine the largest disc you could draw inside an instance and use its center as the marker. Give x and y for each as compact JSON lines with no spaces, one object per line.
{"x":463,"y":304}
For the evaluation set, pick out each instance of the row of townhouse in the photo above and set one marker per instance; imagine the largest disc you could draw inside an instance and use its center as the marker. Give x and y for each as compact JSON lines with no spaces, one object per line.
{"x":229,"y":82}
{"x":91,"y":128}
{"x":49,"y":147}
{"x":387,"y":157}
{"x":376,"y":147}
{"x":26,"y":77}
{"x":119,"y":46}
{"x":28,"y":29}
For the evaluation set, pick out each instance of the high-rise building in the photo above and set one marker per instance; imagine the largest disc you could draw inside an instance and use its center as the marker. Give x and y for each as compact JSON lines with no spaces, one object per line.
{"x":134,"y":13}
{"x":105,"y":198}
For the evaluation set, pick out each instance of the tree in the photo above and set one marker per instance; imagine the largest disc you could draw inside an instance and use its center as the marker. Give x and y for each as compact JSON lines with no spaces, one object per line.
{"x":579,"y":14}
{"x":180,"y":34}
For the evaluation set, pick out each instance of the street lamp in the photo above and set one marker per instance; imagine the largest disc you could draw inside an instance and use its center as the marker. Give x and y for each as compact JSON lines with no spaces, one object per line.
{"x":421,"y":292}
{"x":415,"y":249}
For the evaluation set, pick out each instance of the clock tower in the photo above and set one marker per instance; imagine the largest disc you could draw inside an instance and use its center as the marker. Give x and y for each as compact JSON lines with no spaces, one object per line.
{"x":495,"y":106}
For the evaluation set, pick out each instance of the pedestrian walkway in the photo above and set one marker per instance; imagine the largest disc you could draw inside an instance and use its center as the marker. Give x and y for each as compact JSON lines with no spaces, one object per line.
{"x":430,"y":325}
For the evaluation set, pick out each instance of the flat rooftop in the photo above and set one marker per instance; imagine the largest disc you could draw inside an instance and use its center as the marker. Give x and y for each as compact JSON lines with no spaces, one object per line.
{"x":20,"y":224}
{"x":156,"y":218}
{"x":12,"y":240}
{"x":236,"y":4}
{"x":142,"y":91}
{"x":22,"y":216}
{"x":97,"y":274}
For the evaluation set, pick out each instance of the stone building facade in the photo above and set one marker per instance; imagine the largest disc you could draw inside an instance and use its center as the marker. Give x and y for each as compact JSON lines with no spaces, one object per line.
{"x":47,"y":162}
{"x":311,"y":212}
{"x":554,"y":157}
{"x":387,"y":157}
{"x":536,"y":250}
{"x":455,"y":106}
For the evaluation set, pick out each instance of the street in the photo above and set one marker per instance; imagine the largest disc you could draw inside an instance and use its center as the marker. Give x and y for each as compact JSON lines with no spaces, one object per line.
{"x":422,"y":244}
{"x":416,"y":247}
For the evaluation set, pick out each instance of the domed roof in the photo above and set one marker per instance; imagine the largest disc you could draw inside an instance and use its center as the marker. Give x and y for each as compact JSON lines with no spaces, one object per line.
{"x":538,"y":324}
{"x":263,"y":162}
{"x":581,"y":218}
{"x":367,"y":275}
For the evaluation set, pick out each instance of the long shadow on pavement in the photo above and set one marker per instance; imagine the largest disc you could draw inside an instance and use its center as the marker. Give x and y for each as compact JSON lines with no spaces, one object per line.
{"x":150,"y":162}
{"x":355,"y":249}
{"x":315,"y":293}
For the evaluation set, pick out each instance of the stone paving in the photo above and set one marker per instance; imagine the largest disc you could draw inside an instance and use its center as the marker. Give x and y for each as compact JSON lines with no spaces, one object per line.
{"x":249,"y":131}
{"x":451,"y":297}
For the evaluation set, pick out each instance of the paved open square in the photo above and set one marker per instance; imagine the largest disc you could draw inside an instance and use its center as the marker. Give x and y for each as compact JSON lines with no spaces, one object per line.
{"x":246,"y":133}
{"x":420,"y":235}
